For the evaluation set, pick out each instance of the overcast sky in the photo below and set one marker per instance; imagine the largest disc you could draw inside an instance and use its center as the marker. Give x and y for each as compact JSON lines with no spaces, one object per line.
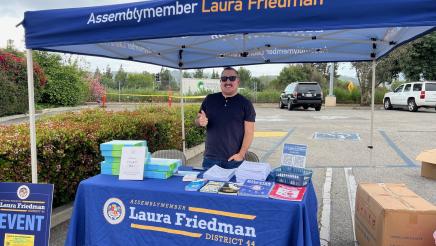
{"x":12,"y":12}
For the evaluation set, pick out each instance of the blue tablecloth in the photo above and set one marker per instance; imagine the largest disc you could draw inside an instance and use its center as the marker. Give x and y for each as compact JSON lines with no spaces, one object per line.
{"x":160,"y":212}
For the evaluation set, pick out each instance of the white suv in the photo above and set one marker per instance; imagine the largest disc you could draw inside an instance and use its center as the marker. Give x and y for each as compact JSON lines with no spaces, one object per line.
{"x":412,"y":95}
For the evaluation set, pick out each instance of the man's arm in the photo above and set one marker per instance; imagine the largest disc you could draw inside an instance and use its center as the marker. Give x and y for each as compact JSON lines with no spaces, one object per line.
{"x":246,"y":142}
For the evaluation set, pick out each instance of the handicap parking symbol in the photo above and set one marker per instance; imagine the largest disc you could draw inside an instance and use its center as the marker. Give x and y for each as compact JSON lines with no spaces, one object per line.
{"x":336,"y":136}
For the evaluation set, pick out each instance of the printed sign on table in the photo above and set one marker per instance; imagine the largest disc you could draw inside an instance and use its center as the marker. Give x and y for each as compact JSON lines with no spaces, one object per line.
{"x":25,"y":212}
{"x":132,"y":163}
{"x":294,"y":155}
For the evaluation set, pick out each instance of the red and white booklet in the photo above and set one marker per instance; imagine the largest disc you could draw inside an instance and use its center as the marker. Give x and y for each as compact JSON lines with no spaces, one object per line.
{"x":287,"y":192}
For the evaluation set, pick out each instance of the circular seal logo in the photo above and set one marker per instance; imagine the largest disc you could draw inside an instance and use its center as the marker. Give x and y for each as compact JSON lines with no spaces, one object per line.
{"x":114,"y":211}
{"x":23,"y":192}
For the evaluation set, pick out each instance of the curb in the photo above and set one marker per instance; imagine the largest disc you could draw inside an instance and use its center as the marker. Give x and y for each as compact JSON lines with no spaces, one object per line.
{"x":61,"y":214}
{"x":47,"y":111}
{"x":194,"y":151}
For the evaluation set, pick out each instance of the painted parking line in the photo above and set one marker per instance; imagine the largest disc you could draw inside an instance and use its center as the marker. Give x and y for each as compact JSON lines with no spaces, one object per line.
{"x":269,"y":134}
{"x":324,"y":231}
{"x":400,"y":153}
{"x":274,"y":147}
{"x":351,"y":188}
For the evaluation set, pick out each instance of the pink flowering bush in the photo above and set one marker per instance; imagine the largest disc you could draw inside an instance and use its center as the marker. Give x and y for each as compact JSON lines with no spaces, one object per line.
{"x":96,"y":88}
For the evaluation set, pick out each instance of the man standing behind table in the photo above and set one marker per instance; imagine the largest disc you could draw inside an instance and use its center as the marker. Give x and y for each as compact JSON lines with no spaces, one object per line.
{"x":229,"y":120}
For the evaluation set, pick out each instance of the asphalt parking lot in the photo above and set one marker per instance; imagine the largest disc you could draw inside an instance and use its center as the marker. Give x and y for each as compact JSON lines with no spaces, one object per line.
{"x":340,"y":164}
{"x":399,"y":136}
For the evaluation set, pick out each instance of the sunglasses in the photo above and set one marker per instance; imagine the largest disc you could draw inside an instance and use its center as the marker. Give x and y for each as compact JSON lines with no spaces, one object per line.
{"x":231,"y":78}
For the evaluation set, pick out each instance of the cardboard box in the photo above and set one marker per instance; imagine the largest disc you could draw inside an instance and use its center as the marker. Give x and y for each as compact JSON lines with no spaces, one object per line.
{"x":428,"y":160}
{"x":391,"y":214}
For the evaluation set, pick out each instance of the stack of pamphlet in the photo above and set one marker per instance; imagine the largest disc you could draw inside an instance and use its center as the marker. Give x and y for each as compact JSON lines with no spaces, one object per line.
{"x":218,"y":173}
{"x":252,"y":170}
{"x":160,"y":168}
{"x":111,"y":151}
{"x":256,"y":188}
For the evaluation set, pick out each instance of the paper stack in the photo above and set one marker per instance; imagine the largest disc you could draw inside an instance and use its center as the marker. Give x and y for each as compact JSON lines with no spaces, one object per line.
{"x":111,"y":151}
{"x":219,"y":174}
{"x":160,"y":168}
{"x":252,"y":170}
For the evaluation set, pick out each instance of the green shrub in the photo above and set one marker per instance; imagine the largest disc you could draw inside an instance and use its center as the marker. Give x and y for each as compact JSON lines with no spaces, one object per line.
{"x":194,"y":135}
{"x":68,"y":144}
{"x":344,"y":96}
{"x":267,"y":96}
{"x":66,"y":86}
{"x":13,"y":84}
{"x":379,"y":94}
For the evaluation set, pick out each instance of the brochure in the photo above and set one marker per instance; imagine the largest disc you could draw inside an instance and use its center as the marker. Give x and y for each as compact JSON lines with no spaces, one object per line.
{"x":256,"y":188}
{"x":287,"y":192}
{"x":195,"y":185}
{"x":212,"y":187}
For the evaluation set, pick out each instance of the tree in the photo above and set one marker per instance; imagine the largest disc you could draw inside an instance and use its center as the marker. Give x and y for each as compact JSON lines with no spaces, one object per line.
{"x":66,"y":83}
{"x":198,"y":74}
{"x":388,"y":68}
{"x":107,"y":78}
{"x":97,"y":73}
{"x":415,"y":60}
{"x":244,"y":77}
{"x":313,"y":74}
{"x":324,"y":69}
{"x":165,"y":79}
{"x":418,"y":58}
{"x":187,"y":74}
{"x":139,"y":80}
{"x":255,"y":83}
{"x":121,"y":77}
{"x":364,"y":75}
{"x":215,"y":75}
{"x":298,"y":72}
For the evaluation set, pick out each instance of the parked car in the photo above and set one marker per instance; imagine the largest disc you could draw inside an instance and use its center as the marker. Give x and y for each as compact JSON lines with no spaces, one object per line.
{"x":301,"y":94}
{"x":412,"y":95}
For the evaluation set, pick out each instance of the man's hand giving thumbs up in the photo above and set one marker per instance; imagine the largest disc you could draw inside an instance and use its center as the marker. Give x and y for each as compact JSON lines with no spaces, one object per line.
{"x":202,"y":119}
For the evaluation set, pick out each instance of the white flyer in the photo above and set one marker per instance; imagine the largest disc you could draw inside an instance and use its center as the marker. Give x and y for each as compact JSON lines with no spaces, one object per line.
{"x":132,"y":163}
{"x":294,"y":155}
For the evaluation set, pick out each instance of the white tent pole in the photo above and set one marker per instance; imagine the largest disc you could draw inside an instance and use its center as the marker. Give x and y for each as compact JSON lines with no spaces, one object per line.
{"x":372,"y":103}
{"x":30,"y":87}
{"x":183,"y":111}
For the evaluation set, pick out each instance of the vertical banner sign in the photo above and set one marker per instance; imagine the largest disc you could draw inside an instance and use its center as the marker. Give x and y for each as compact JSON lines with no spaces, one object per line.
{"x":294,"y":155}
{"x":25,"y":212}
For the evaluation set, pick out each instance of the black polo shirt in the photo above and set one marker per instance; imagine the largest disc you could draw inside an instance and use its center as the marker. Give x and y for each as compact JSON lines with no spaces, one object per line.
{"x":225,"y":128}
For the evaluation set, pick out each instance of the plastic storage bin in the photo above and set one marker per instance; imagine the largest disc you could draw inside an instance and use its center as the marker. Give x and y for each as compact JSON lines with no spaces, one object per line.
{"x":294,"y":176}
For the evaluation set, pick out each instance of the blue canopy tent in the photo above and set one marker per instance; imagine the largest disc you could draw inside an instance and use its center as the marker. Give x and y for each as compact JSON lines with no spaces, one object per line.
{"x":187,"y":34}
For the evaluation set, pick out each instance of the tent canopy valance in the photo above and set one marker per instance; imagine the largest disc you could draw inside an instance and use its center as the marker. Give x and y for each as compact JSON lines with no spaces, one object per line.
{"x":190,"y":34}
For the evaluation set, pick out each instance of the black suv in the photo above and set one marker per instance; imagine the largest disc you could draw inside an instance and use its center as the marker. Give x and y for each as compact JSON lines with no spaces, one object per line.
{"x":306,"y":94}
